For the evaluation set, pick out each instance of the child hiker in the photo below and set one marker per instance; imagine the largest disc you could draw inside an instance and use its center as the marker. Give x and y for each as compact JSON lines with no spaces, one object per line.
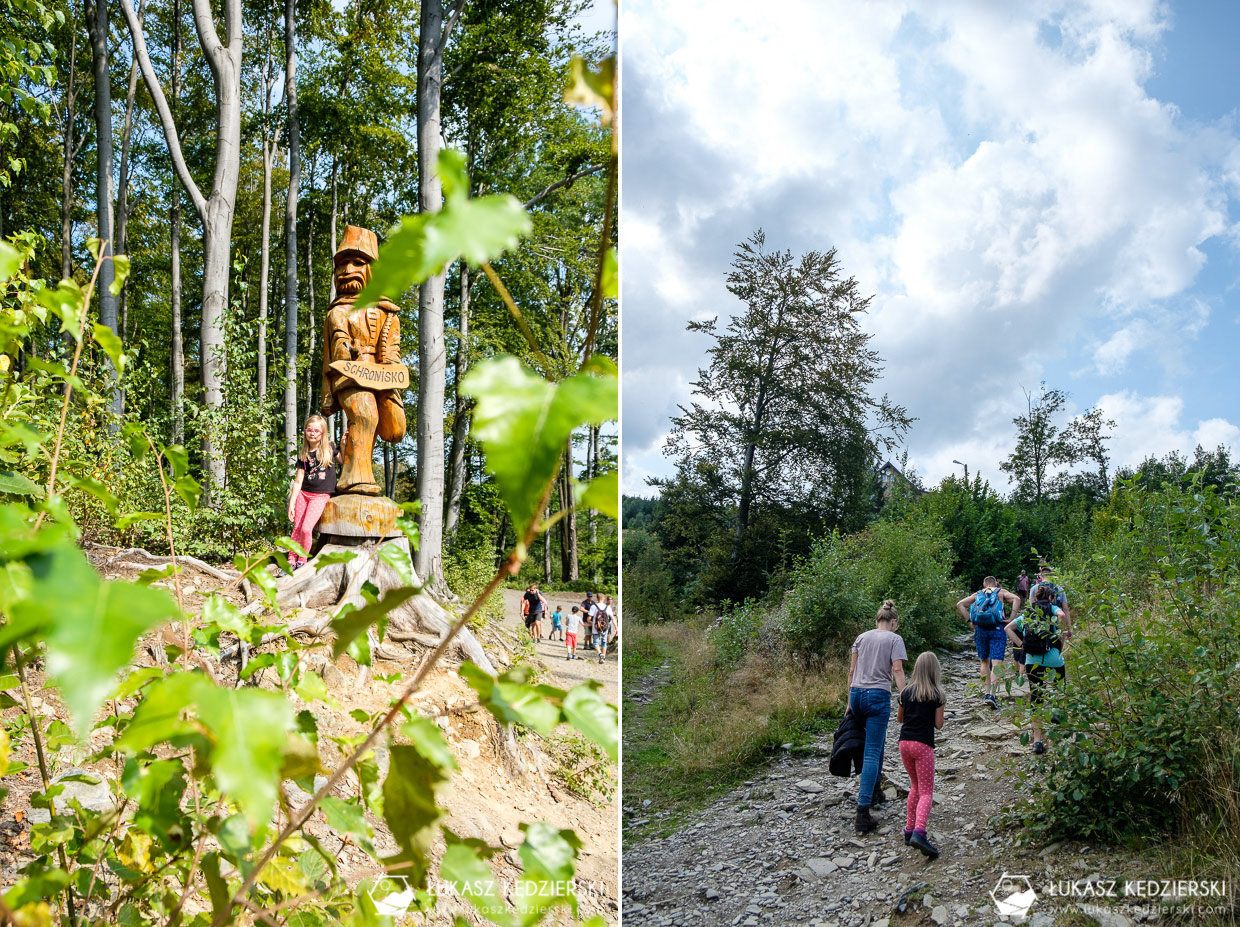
{"x":312,"y":486}
{"x":557,"y":624}
{"x":921,"y":714}
{"x":570,"y":635}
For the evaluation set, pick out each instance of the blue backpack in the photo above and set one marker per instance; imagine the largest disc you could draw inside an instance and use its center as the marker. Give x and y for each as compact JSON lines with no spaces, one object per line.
{"x":986,"y":612}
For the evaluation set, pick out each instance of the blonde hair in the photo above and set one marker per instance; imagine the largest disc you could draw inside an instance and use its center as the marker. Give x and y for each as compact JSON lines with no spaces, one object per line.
{"x":324,"y":450}
{"x":927,"y":681}
{"x":887,"y":612}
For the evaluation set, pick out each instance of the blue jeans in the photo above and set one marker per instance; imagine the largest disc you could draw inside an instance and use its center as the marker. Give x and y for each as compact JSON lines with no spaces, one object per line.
{"x":873,"y":708}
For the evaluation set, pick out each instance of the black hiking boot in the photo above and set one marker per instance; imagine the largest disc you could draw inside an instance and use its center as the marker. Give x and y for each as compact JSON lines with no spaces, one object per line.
{"x":908,"y":837}
{"x":919,"y":840}
{"x":865,"y":823}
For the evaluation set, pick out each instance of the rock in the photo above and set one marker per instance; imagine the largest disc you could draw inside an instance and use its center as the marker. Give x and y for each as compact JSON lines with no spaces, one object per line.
{"x":753,"y":909}
{"x":1104,"y":917}
{"x":711,"y":895}
{"x":95,"y":795}
{"x":843,"y":861}
{"x":471,"y":749}
{"x":1041,"y":920}
{"x":332,"y":677}
{"x":809,"y":785}
{"x":939,"y":914}
{"x":820,"y":867}
{"x":872,"y":860}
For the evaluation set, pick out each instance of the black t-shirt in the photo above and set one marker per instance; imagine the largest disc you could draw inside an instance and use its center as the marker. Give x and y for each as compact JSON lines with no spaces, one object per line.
{"x":536,"y":604}
{"x":318,"y":478}
{"x":918,"y":718}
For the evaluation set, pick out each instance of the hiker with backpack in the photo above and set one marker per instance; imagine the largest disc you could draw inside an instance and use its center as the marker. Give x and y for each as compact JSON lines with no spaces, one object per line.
{"x":1022,"y":589}
{"x":984,"y":609}
{"x":602,"y":631}
{"x":878,"y":655}
{"x":1046,"y":628}
{"x":1046,"y":577}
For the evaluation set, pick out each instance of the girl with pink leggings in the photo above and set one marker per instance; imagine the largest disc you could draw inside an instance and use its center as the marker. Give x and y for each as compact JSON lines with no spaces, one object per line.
{"x":313,"y":484}
{"x":920,"y":715}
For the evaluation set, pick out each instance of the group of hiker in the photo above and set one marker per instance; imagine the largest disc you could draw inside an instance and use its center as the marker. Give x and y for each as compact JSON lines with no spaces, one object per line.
{"x":593,"y":622}
{"x":1039,"y":635}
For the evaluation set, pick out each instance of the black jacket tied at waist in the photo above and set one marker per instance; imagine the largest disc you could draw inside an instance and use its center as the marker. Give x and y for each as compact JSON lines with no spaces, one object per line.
{"x":848,"y":747}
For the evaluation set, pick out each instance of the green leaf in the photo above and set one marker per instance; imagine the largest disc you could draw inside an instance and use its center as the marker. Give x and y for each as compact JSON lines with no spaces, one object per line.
{"x":395,"y":557}
{"x":428,"y":740}
{"x":216,"y":884}
{"x":347,"y":817}
{"x":120,"y":270}
{"x":250,"y":728}
{"x":178,"y":458}
{"x":189,"y":489}
{"x":94,"y":626}
{"x":602,"y":494}
{"x":512,"y":700}
{"x":410,"y":809}
{"x":131,"y":518}
{"x":349,"y":625}
{"x":466,"y":869}
{"x":611,"y":275}
{"x":111,"y":344}
{"x":21,"y":433}
{"x":6,"y":751}
{"x":16,"y":484}
{"x":524,"y":422}
{"x":311,"y":687}
{"x":95,"y":247}
{"x":10,"y":260}
{"x":588,"y":86}
{"x":157,"y":788}
{"x":336,"y":556}
{"x":477,"y":230}
{"x":224,"y":615}
{"x":68,"y":303}
{"x":157,"y":719}
{"x":549,"y":857}
{"x":96,"y":489}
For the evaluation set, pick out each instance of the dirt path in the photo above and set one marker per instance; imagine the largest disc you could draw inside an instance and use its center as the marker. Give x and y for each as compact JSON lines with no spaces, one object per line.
{"x":565,"y":673}
{"x":782,"y":849}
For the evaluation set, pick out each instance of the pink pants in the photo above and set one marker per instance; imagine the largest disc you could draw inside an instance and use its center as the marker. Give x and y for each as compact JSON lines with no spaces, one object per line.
{"x":307,"y":510}
{"x":919,"y":762}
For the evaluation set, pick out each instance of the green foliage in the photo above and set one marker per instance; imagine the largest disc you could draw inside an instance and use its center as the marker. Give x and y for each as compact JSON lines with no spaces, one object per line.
{"x":1147,"y":739}
{"x":836,"y":591}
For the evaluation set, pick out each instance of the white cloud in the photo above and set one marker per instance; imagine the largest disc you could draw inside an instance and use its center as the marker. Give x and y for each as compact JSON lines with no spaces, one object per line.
{"x":1154,"y":426}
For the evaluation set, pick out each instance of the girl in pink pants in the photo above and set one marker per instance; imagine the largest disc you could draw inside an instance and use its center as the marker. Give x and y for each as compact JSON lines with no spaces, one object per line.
{"x":920,"y":715}
{"x":312,"y":486}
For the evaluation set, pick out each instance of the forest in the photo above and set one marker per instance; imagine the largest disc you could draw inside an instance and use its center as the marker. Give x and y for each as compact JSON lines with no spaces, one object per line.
{"x":224,"y":159}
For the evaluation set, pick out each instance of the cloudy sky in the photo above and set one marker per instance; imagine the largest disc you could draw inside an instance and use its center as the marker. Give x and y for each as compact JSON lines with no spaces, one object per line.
{"x":1033,"y":191}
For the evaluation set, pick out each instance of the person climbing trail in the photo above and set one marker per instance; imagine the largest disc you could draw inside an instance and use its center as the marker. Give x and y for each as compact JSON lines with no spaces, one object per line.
{"x":1046,"y":628}
{"x":920,"y":714}
{"x":878,"y":655}
{"x":984,"y":609}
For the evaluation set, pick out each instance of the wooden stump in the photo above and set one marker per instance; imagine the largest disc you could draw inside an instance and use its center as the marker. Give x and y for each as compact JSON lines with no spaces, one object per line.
{"x":421,"y":619}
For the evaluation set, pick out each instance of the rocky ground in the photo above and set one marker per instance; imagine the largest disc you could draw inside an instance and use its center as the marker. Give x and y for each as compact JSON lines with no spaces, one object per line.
{"x":495,"y":790}
{"x":782,"y":848}
{"x":566,"y":673}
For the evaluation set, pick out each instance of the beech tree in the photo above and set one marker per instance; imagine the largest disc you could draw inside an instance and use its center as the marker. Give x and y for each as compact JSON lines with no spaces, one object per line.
{"x":784,"y":413}
{"x":216,"y":209}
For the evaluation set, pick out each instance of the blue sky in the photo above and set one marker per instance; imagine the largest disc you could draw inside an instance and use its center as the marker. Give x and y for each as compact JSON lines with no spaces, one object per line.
{"x":1038,"y":191}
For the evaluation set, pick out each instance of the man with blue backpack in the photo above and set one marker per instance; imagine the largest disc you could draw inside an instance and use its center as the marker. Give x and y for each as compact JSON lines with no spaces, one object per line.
{"x":984,"y":609}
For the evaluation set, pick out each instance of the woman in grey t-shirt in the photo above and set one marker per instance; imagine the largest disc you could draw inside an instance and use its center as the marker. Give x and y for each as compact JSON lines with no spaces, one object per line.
{"x":877,"y":657}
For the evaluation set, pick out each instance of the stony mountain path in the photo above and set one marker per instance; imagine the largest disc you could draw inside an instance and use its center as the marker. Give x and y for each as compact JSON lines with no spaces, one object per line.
{"x":782,"y":848}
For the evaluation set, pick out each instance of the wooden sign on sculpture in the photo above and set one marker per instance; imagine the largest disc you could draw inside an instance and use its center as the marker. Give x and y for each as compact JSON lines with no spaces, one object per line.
{"x":371,"y":375}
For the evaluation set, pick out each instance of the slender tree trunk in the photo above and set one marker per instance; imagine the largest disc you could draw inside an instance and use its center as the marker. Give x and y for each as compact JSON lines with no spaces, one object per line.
{"x":313,"y":321}
{"x":569,"y":570}
{"x":335,"y":241}
{"x":66,"y":196}
{"x":178,"y":349}
{"x":592,"y":473}
{"x":290,"y":231}
{"x":122,"y":198}
{"x":264,"y":264}
{"x":97,"y":23}
{"x":461,"y":409}
{"x":432,"y":360}
{"x":546,"y":548}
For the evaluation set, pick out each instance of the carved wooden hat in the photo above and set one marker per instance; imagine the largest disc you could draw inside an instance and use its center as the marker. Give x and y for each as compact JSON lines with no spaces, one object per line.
{"x":358,"y":240}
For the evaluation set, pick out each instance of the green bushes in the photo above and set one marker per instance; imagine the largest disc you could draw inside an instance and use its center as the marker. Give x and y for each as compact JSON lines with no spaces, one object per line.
{"x":835,"y":591}
{"x":1149,"y":737}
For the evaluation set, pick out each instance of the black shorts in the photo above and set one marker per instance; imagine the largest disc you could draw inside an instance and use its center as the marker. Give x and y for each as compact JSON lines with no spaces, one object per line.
{"x":1037,"y":679}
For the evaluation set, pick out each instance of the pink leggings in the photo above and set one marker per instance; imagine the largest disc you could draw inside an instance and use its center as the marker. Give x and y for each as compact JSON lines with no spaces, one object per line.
{"x":307,"y":510}
{"x":919,"y":761}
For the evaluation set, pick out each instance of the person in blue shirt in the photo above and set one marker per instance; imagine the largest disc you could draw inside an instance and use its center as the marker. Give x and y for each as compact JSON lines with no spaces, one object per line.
{"x":1044,"y":642}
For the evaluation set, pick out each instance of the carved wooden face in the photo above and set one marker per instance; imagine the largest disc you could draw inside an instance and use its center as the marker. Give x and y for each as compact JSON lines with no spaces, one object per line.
{"x":352,"y":272}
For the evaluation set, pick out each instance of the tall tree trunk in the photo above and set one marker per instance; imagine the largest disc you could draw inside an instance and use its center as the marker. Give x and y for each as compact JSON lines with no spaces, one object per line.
{"x":66,"y":196}
{"x":215,"y":211}
{"x":290,"y":231}
{"x":592,"y":469}
{"x":178,"y":349}
{"x":432,"y":359}
{"x":461,"y":407}
{"x":546,"y":548}
{"x":569,"y":570}
{"x":334,"y":241}
{"x":97,"y":23}
{"x":312,"y":322}
{"x":264,"y":261}
{"x":122,"y":197}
